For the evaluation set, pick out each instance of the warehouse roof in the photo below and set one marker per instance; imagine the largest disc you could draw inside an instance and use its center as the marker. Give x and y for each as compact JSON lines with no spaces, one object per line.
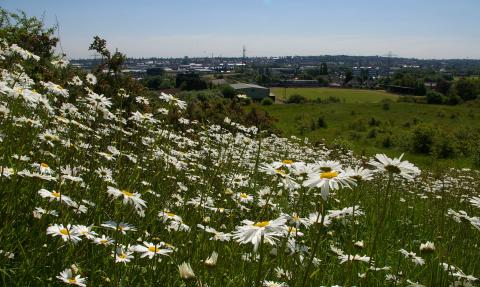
{"x":239,"y":86}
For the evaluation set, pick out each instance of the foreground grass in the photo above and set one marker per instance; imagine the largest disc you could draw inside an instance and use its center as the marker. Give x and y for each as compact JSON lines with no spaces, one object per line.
{"x":345,"y":95}
{"x":352,"y":122}
{"x":71,"y":172}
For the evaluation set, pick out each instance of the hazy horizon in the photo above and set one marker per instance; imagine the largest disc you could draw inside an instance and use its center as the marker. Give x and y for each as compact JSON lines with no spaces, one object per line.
{"x":268,"y":28}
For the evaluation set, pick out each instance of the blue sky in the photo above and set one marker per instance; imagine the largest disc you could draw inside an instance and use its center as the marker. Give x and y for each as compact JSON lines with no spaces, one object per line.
{"x":175,"y":28}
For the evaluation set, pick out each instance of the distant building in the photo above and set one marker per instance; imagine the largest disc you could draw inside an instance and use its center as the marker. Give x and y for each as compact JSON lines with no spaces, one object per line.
{"x":255,"y":92}
{"x":370,"y":71}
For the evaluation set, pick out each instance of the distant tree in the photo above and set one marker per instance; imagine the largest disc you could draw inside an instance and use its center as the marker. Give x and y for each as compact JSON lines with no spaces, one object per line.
{"x":323,"y":69}
{"x":189,"y":82}
{"x":466,"y":89}
{"x":348,"y":76}
{"x":443,"y":86}
{"x":434,"y":97}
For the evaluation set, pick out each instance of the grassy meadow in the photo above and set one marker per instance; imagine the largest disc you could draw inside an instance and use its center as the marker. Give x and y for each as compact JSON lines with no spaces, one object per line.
{"x":371,"y":127}
{"x":97,"y":195}
{"x":345,"y":95}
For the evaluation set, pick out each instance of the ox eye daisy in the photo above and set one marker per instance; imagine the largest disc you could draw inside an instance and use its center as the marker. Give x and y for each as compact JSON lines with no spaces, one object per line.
{"x":328,"y":179}
{"x":150,"y":250}
{"x":255,"y":232}
{"x":66,"y":276}
{"x":67,"y":233}
{"x":132,"y":198}
{"x":395,"y":166}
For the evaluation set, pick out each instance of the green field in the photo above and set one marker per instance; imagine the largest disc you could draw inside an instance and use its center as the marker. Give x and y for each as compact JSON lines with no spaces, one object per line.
{"x":345,"y":95}
{"x":352,"y":123}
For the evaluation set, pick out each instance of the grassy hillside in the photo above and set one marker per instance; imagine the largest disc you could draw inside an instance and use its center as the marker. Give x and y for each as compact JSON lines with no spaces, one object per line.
{"x":345,"y":95}
{"x":94,"y":194}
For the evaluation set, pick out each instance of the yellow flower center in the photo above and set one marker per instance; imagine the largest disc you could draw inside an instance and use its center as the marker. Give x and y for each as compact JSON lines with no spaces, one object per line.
{"x":152,"y":249}
{"x":287,"y":161}
{"x":122,"y":255}
{"x":127,"y":193}
{"x":243,"y":195}
{"x":393,"y":169}
{"x":64,"y":231}
{"x":329,"y":175}
{"x":262,"y":224}
{"x":169,"y":214}
{"x":56,"y":194}
{"x":44,"y":165}
{"x":72,"y":280}
{"x":279,"y":171}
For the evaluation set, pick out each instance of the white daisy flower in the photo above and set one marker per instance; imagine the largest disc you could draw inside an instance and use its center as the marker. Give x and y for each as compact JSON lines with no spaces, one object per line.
{"x":327,"y":180}
{"x":122,"y":226}
{"x":395,"y":166}
{"x":150,"y":249}
{"x":65,"y":232}
{"x":122,"y":255}
{"x":253,"y":232}
{"x":91,"y":79}
{"x":67,"y":277}
{"x":128,"y":197}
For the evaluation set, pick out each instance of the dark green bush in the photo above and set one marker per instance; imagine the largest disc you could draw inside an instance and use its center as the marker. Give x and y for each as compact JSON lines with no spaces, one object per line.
{"x":386,"y":105}
{"x":372,"y":133}
{"x":422,"y":139}
{"x":435,"y":97}
{"x":296,"y":99}
{"x":228,"y":92}
{"x":444,"y":146}
{"x":321,"y":123}
{"x":267,"y":102}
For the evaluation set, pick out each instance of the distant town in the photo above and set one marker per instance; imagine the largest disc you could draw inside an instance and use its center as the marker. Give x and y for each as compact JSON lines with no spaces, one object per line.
{"x":372,"y":67}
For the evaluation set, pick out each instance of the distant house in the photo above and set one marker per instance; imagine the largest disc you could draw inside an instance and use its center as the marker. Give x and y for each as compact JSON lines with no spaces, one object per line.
{"x":255,"y":92}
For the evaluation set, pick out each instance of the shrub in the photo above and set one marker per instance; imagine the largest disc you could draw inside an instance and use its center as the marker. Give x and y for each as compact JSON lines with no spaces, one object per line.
{"x":296,"y":99}
{"x":387,"y":142}
{"x":321,"y":123}
{"x":228,"y":92}
{"x":422,"y":139}
{"x":386,"y":105}
{"x":358,"y":125}
{"x":444,"y":146}
{"x":267,"y":102}
{"x":372,"y":133}
{"x":435,"y":98}
{"x":373,"y":122}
